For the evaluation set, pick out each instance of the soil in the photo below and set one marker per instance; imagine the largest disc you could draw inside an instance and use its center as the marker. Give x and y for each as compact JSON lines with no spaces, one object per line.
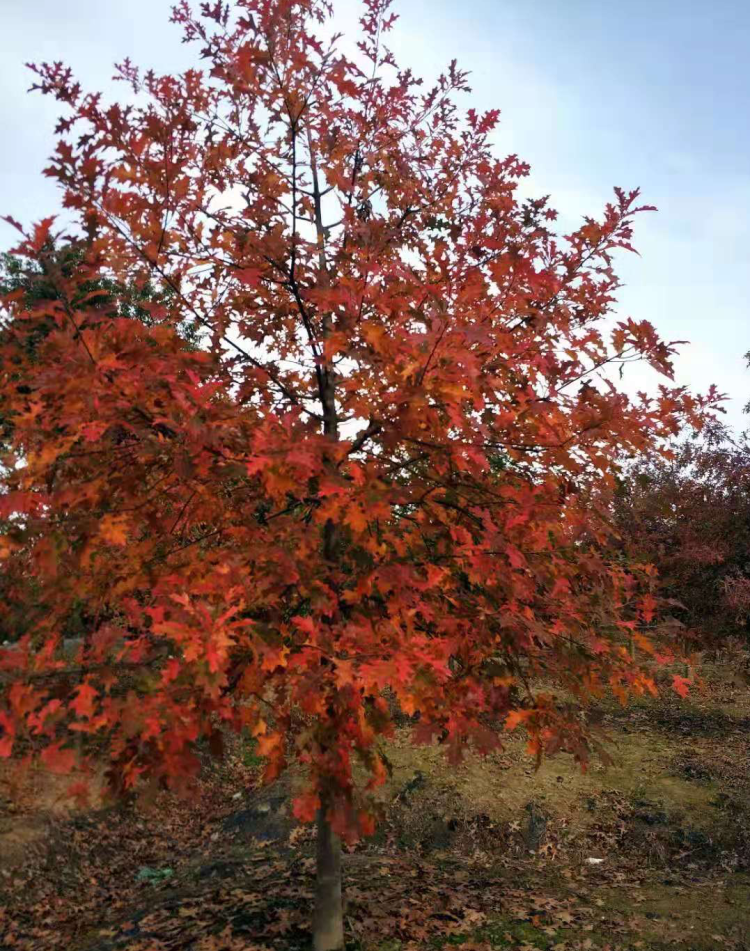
{"x":652,"y":852}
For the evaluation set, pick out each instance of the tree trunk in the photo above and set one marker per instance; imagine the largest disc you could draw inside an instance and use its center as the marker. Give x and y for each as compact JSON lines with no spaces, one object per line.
{"x":688,"y":668}
{"x":328,"y":918}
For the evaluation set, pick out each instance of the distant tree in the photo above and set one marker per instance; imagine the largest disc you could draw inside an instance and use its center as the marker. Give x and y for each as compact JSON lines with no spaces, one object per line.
{"x":690,"y":516}
{"x":386,"y":465}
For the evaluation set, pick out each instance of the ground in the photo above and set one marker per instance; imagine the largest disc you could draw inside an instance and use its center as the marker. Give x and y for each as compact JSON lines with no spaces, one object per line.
{"x":650,"y":853}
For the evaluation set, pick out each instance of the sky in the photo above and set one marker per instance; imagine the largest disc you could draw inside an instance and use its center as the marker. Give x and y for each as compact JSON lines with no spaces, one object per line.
{"x":650,"y":93}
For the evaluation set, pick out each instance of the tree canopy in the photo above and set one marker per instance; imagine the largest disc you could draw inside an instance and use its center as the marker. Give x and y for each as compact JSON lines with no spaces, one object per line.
{"x":689,"y":515}
{"x":386,"y":462}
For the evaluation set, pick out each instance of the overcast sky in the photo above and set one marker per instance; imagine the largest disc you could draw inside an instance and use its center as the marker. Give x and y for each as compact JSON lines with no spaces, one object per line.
{"x":649,"y":93}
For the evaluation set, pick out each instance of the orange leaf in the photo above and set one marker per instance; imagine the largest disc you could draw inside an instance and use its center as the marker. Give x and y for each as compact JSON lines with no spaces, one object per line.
{"x":681,"y":685}
{"x":366,"y":823}
{"x":114,"y":529}
{"x":514,"y":718}
{"x":269,"y":743}
{"x":356,"y":519}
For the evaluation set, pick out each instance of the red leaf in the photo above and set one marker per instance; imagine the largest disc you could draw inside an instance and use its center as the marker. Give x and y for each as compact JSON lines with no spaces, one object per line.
{"x":8,"y":735}
{"x":306,"y":807}
{"x":58,"y":760}
{"x":41,"y":233}
{"x":304,"y":624}
{"x":249,"y":276}
{"x":83,"y":705}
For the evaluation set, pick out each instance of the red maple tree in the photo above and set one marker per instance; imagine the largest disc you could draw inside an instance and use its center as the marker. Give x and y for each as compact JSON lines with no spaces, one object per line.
{"x":383,"y":461}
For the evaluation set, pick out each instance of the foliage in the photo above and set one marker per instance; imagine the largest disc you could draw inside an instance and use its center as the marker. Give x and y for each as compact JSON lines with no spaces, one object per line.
{"x":690,"y":516}
{"x":386,"y":465}
{"x":35,"y":279}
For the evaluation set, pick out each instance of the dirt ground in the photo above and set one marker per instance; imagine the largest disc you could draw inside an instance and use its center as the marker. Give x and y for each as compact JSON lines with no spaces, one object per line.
{"x":650,"y":853}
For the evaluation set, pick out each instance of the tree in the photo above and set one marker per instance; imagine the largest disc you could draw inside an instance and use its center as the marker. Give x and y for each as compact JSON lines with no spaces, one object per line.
{"x":689,"y":515}
{"x":385,"y":465}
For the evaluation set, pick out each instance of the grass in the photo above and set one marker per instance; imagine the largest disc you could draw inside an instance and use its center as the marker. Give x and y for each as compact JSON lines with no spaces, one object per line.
{"x":250,"y":756}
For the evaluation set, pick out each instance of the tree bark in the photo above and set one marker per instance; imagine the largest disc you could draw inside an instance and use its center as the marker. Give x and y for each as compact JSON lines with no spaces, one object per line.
{"x":328,"y":918}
